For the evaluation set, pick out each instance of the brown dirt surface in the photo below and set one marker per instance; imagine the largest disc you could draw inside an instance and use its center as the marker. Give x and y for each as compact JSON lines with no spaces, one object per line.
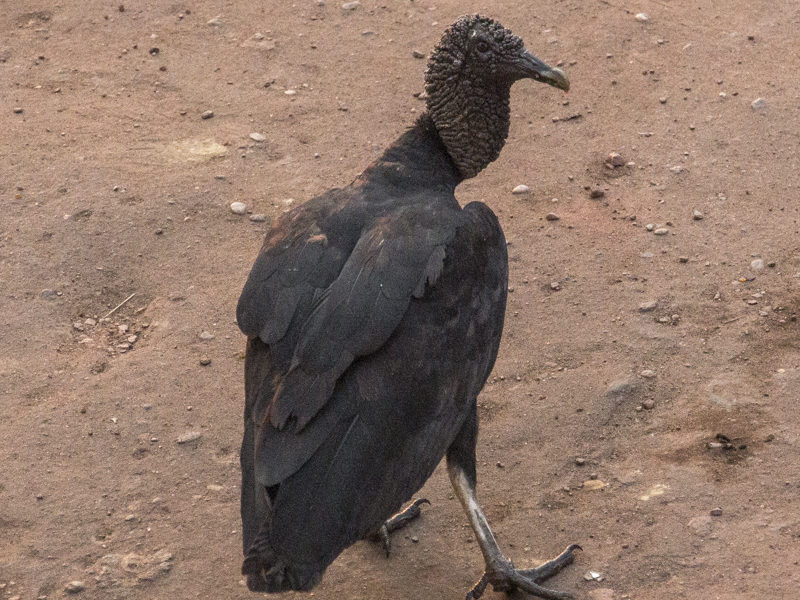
{"x":112,"y":184}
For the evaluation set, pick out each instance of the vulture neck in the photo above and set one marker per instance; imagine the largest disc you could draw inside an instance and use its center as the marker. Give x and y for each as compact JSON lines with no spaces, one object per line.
{"x":417,"y":160}
{"x":472,"y":120}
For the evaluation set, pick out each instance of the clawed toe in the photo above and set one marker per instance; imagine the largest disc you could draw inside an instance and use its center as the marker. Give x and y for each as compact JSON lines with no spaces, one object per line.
{"x":398,"y":521}
{"x":505,"y":577}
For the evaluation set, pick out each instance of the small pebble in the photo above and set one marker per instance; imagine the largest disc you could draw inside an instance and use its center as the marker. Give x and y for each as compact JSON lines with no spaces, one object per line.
{"x":205,"y":361}
{"x":697,"y":215}
{"x":415,"y":539}
{"x":649,"y":227}
{"x":258,"y":137}
{"x":238,"y":208}
{"x":207,"y":114}
{"x":716,"y":512}
{"x":596,"y":193}
{"x":580,"y":461}
{"x":258,"y":218}
{"x":206,"y":336}
{"x":663,"y":99}
{"x":648,"y":306}
{"x":521,"y":189}
{"x":683,"y":259}
{"x":191,"y":436}
{"x":661,"y":231}
{"x":759,"y":103}
{"x":552,"y":217}
{"x":215,"y":22}
{"x":74,"y":587}
{"x":757,"y":264}
{"x":615,"y":159}
{"x":17,"y":110}
{"x":641,"y":17}
{"x":648,"y":374}
{"x":290,"y":92}
{"x":351,"y":5}
{"x":417,"y":54}
{"x":555,"y":286}
{"x":649,"y":404}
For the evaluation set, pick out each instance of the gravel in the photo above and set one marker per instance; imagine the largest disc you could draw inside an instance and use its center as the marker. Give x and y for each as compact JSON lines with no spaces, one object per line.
{"x":75,"y":587}
{"x":615,"y":159}
{"x":189,"y":436}
{"x":521,"y":189}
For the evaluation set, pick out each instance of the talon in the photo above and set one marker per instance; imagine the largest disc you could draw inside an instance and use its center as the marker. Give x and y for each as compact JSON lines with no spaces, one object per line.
{"x":478,"y":589}
{"x":398,"y":521}
{"x":383,"y":532}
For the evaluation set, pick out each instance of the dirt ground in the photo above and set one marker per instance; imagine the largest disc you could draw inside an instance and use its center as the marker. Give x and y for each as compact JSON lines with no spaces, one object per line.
{"x":644,"y":400}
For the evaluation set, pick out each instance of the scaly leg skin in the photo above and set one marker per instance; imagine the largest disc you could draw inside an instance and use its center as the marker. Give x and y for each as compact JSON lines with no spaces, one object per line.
{"x":500,"y":571}
{"x":398,"y":521}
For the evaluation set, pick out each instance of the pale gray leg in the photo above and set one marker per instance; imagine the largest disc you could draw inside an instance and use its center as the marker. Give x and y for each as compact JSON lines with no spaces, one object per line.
{"x":500,"y":571}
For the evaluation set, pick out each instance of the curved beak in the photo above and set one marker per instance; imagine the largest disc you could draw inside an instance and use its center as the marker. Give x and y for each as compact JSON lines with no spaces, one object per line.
{"x":529,"y":66}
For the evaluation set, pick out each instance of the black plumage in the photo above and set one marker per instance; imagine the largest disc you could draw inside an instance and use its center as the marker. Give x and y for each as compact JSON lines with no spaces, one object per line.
{"x":373,"y":315}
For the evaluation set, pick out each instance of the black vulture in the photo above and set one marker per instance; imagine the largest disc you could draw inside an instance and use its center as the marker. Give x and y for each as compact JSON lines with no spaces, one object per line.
{"x":373,"y":316}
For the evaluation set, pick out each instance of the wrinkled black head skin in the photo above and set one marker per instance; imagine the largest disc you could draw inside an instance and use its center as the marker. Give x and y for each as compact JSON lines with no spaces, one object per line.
{"x":468,"y":83}
{"x":478,"y":50}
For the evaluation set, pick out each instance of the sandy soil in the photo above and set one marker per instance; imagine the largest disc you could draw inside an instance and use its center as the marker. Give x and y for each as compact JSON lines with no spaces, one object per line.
{"x":664,"y":441}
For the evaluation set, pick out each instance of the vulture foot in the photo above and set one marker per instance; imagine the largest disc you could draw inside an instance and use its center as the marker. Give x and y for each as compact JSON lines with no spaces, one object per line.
{"x":398,"y":521}
{"x":505,"y":578}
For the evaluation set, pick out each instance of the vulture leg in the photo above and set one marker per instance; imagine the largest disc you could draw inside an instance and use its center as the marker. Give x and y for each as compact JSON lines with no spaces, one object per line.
{"x":500,"y":571}
{"x":398,"y":521}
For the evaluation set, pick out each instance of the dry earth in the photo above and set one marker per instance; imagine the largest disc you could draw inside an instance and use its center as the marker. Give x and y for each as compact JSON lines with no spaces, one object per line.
{"x":112,"y":184}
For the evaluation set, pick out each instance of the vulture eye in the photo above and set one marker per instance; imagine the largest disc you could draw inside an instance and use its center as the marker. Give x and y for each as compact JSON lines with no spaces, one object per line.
{"x":482,"y":47}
